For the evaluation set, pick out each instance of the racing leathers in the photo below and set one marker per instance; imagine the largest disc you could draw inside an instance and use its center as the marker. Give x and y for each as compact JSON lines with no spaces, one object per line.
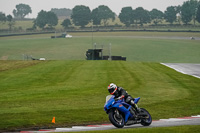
{"x":120,"y":93}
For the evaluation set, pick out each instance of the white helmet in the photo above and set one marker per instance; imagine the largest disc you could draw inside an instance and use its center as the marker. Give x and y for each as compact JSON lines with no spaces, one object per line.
{"x":112,"y":88}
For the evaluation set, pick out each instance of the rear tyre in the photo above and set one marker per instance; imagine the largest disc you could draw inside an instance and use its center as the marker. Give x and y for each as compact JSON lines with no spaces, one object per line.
{"x":116,"y":118}
{"x":147,"y":120}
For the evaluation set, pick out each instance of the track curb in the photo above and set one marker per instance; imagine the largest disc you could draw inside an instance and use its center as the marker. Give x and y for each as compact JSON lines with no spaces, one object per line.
{"x":107,"y":126}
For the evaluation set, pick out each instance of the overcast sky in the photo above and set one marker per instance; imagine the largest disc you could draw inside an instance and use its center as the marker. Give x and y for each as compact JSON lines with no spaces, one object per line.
{"x":7,"y":6}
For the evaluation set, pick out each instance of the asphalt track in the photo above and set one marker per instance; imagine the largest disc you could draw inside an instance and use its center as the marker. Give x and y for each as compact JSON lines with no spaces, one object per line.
{"x":143,"y":37}
{"x":185,"y":68}
{"x":147,"y":37}
{"x":193,"y":120}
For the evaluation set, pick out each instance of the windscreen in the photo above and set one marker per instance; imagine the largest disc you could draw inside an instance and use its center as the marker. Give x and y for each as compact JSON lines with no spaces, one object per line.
{"x":108,"y":97}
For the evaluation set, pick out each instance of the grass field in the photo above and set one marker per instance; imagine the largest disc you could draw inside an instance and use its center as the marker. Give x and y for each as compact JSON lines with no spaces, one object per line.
{"x":132,"y":45}
{"x":73,"y":90}
{"x":24,"y":24}
{"x":32,"y":93}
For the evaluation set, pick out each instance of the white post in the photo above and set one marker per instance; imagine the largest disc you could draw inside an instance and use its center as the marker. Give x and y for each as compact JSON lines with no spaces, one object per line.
{"x":92,"y":33}
{"x":110,"y":57}
{"x":95,"y":45}
{"x":102,"y":53}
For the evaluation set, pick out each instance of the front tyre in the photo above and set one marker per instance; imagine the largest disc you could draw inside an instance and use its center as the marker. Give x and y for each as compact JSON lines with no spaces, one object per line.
{"x":146,"y":121}
{"x":116,"y":118}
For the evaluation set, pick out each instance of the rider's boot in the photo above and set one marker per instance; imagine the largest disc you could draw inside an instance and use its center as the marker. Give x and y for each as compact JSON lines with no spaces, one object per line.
{"x":132,"y":111}
{"x":134,"y":105}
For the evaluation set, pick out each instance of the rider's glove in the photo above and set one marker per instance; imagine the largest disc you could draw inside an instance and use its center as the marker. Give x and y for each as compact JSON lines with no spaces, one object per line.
{"x":120,"y":98}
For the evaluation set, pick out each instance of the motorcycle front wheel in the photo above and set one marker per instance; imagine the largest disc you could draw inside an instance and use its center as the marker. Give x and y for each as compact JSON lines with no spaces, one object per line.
{"x":116,"y":118}
{"x":147,"y":120}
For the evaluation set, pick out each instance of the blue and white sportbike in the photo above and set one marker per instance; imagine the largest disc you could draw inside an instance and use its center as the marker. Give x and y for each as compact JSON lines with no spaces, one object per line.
{"x":122,"y":114}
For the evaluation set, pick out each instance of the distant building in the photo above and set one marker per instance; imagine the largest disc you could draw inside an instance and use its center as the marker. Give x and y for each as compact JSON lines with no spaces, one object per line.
{"x":97,"y":54}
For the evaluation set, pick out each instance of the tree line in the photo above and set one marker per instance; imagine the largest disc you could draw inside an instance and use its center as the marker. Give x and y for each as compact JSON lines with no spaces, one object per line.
{"x":189,"y":11}
{"x":81,"y":15}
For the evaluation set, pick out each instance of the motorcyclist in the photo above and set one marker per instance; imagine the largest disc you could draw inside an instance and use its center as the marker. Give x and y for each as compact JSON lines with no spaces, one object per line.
{"x":120,"y":93}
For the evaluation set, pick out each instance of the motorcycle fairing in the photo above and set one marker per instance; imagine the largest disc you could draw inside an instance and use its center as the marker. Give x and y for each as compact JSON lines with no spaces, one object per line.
{"x":136,"y":100}
{"x":120,"y":105}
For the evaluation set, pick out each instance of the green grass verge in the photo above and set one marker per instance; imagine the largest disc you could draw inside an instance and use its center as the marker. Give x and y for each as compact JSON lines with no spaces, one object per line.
{"x":177,"y":129}
{"x":129,"y":44}
{"x":33,"y":92}
{"x":24,"y":24}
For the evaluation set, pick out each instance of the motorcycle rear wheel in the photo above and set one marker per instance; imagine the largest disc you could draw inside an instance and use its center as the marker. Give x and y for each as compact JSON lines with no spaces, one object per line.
{"x":116,"y":118}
